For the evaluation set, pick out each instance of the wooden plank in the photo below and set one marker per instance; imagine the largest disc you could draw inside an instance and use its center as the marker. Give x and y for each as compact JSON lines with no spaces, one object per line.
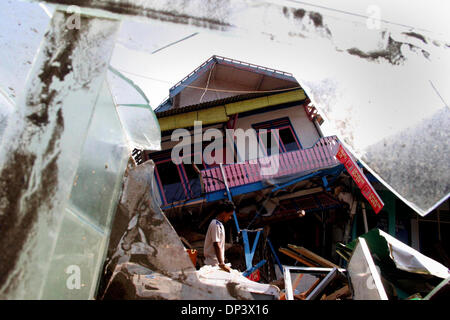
{"x":254,"y":168}
{"x":316,"y":154}
{"x":295,"y":256}
{"x":322,"y":154}
{"x":301,"y":193}
{"x":227,"y":175}
{"x":250,"y":172}
{"x":319,"y":157}
{"x":186,"y":243}
{"x":247,"y":171}
{"x":217,"y":176}
{"x":240,"y":173}
{"x":210,"y":185}
{"x":307,"y":163}
{"x":312,"y":256}
{"x":314,"y":159}
{"x":242,"y":168}
{"x":287,"y":163}
{"x":299,"y":161}
{"x":230,"y":173}
{"x":295,"y":162}
{"x":329,"y":157}
{"x":284,"y":165}
{"x":212,"y":182}
{"x":221,"y":181}
{"x":292,"y":163}
{"x":236,"y":175}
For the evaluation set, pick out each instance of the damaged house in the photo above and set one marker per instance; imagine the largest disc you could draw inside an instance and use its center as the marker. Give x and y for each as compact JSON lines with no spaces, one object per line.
{"x":310,"y":200}
{"x":297,"y":204}
{"x":82,"y":220}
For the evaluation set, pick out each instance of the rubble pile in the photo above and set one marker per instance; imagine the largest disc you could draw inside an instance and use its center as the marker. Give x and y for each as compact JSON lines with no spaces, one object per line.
{"x":147,"y":260}
{"x":379,"y":267}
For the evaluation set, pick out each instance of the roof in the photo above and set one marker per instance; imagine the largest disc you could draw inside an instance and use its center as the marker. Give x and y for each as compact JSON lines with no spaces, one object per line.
{"x":229,"y":78}
{"x":208,"y":104}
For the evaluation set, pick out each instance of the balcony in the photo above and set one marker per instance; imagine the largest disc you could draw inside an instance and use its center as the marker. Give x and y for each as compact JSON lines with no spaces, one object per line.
{"x":246,"y":177}
{"x":293,"y":163}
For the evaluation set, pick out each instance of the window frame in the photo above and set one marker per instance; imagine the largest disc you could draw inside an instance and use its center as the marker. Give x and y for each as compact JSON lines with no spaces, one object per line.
{"x":280,"y":123}
{"x":184,"y":180}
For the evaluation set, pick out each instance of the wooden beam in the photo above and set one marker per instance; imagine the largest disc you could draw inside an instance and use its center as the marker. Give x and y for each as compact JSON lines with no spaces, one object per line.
{"x":340,"y":293}
{"x":312,"y":256}
{"x":295,"y":256}
{"x":301,"y":193}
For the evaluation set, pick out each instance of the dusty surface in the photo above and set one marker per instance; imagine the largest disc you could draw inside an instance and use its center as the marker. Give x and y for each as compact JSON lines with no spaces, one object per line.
{"x":149,"y":261}
{"x":35,"y":167}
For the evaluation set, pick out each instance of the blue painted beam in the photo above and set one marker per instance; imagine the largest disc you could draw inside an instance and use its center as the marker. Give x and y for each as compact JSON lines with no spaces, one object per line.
{"x":294,"y":181}
{"x":247,"y":253}
{"x":183,"y":203}
{"x":255,"y":243}
{"x":277,"y":260}
{"x":325,"y":183}
{"x":251,"y":187}
{"x":249,"y":271}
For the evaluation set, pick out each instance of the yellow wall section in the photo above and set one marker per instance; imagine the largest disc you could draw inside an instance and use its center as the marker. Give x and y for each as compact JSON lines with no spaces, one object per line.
{"x":220,"y":113}
{"x":212,"y":115}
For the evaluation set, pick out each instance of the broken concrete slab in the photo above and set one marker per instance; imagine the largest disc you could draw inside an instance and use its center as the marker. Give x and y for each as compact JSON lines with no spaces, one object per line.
{"x":147,"y":259}
{"x":132,"y":281}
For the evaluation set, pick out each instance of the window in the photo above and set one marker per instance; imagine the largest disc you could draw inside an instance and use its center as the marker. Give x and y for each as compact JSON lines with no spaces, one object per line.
{"x":286,"y":138}
{"x":266,"y":138}
{"x":177,"y":182}
{"x":226,"y":152}
{"x":170,"y":181}
{"x":191,"y":176}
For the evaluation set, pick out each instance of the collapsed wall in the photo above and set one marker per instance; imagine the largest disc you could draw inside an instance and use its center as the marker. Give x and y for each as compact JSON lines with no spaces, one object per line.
{"x":146,"y":258}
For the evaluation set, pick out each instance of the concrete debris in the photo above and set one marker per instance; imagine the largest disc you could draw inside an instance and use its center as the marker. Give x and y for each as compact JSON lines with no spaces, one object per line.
{"x":133,"y":281}
{"x":147,"y":260}
{"x":215,"y":276}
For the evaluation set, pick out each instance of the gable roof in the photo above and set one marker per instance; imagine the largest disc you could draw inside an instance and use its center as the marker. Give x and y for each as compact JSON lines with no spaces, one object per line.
{"x":221,"y":78}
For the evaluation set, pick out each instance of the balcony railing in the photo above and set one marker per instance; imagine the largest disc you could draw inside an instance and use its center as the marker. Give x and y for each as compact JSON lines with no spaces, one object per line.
{"x":319,"y":156}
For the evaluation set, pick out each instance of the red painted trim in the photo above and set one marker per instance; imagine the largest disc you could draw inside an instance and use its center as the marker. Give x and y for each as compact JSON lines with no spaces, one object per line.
{"x":185,"y":175}
{"x":161,"y":187}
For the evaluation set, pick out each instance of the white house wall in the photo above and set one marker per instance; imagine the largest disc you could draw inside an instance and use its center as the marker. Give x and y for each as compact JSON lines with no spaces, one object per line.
{"x":303,"y":127}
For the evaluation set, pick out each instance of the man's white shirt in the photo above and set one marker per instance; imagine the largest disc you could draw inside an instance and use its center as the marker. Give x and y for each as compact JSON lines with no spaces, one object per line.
{"x":215,"y":233}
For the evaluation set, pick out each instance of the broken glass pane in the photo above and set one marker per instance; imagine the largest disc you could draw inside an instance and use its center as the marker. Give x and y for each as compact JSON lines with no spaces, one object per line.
{"x":83,"y":237}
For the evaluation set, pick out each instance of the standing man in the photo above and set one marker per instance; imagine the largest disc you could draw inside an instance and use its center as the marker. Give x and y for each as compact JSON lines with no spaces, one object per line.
{"x":214,"y":247}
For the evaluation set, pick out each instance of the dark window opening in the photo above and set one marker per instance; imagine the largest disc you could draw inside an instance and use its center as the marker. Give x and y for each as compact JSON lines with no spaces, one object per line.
{"x":171,"y":181}
{"x":266,"y":140}
{"x":285,"y":137}
{"x":193,"y":178}
{"x":288,"y":140}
